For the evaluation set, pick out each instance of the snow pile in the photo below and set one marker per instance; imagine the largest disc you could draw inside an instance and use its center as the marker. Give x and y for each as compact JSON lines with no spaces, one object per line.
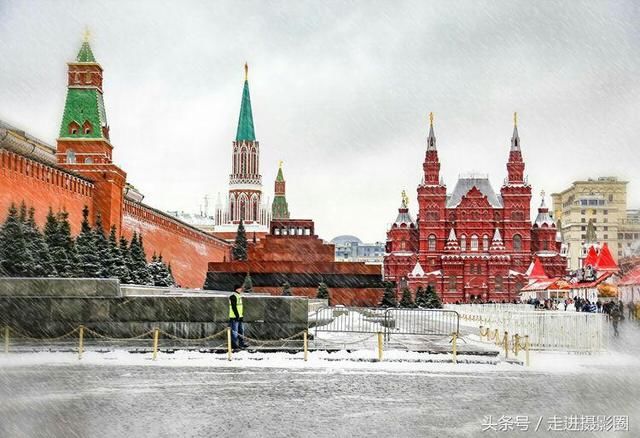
{"x":393,"y":360}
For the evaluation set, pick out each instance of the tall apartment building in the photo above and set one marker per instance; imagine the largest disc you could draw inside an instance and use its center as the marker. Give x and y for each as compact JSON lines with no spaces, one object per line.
{"x":603,"y":202}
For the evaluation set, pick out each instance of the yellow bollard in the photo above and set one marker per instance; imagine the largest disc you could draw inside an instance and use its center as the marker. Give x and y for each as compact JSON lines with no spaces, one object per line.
{"x":379,"y":346}
{"x":6,"y":339}
{"x":306,"y":356}
{"x":506,"y":345}
{"x":454,"y":350}
{"x":228,"y":343}
{"x":526,"y":348}
{"x":516,"y":347}
{"x":156,"y":332}
{"x":80,"y":342}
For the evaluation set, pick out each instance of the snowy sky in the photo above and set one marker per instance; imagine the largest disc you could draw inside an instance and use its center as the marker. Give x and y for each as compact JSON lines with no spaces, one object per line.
{"x":340,"y":92}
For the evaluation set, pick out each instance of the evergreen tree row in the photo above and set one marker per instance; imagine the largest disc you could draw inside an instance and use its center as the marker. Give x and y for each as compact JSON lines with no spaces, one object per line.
{"x":426,"y":299}
{"x":27,"y":252}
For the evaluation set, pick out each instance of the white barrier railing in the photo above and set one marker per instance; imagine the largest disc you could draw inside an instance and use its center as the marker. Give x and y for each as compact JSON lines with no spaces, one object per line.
{"x":547,"y":330}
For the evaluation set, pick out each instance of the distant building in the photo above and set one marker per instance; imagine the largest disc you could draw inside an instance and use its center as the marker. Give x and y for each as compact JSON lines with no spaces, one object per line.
{"x":595,"y":211}
{"x":197,"y":220}
{"x":351,"y":249}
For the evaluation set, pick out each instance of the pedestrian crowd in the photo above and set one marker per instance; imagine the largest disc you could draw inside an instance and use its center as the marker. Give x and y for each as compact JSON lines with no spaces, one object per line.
{"x":615,"y":310}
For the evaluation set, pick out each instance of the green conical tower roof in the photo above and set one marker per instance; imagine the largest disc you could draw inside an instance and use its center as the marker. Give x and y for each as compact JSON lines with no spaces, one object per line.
{"x":245,"y":122}
{"x":280,"y":177}
{"x":85,"y":54}
{"x":84,"y":113}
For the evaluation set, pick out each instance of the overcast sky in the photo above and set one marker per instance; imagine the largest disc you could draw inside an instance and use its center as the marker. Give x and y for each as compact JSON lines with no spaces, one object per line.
{"x":341,"y":92}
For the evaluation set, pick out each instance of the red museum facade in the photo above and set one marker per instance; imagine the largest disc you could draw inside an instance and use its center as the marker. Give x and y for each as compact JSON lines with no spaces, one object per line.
{"x":472,"y":243}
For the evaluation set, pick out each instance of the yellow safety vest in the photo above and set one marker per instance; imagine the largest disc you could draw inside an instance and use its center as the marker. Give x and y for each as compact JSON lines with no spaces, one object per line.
{"x":238,"y":306}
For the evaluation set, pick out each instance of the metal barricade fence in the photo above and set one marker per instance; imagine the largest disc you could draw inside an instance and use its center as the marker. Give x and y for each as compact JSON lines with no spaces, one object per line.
{"x":435,"y":322}
{"x":547,"y":330}
{"x":438,"y":322}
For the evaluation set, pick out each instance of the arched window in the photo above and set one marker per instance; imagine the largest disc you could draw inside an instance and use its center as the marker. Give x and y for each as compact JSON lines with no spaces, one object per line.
{"x":463,"y":243}
{"x":88,"y":160}
{"x":499,"y":283}
{"x":485,"y":243}
{"x":242,"y":204}
{"x":432,"y":242}
{"x":244,"y":157}
{"x":517,"y":242}
{"x":474,"y":243}
{"x":452,"y":283}
{"x":71,"y":156}
{"x":254,"y":162}
{"x":254,"y":207}
{"x":86,"y":127}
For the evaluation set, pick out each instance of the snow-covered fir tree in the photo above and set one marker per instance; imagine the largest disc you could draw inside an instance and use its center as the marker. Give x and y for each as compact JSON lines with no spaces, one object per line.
{"x":421,"y":297}
{"x":15,"y":257}
{"x":89,"y":263}
{"x":57,"y":235}
{"x":102,"y":248}
{"x":43,"y":262}
{"x":122,"y":261}
{"x":432,"y":299}
{"x":389,"y":296}
{"x":138,"y":263}
{"x":239,"y":251}
{"x":407,"y":301}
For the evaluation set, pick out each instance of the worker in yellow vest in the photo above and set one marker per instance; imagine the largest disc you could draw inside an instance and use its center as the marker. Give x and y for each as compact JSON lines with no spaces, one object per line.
{"x":236,"y":314}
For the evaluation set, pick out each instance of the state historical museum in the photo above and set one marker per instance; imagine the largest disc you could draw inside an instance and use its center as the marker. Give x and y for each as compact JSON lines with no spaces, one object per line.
{"x":471,"y":244}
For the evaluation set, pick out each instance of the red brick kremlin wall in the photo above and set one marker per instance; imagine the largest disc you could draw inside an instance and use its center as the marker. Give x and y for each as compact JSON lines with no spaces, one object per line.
{"x":42,"y":186}
{"x":187,"y":249}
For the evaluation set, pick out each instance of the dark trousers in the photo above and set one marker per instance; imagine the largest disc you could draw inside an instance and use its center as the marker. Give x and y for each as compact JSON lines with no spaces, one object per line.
{"x":237,"y":333}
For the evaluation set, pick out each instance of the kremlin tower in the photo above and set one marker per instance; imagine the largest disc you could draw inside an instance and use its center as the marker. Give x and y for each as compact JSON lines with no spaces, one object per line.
{"x":279,"y":208}
{"x":83,"y":145}
{"x":244,"y":201}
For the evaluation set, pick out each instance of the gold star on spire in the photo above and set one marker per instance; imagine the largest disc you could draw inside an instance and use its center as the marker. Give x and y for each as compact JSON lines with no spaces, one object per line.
{"x":280,"y":164}
{"x":87,"y":34}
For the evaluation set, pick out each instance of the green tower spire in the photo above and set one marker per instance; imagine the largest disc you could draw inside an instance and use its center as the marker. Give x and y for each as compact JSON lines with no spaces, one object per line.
{"x":84,"y":113}
{"x":245,"y":122}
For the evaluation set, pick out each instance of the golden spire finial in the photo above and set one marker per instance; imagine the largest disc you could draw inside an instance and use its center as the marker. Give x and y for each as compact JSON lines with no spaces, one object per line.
{"x":280,"y":164}
{"x":405,"y":198}
{"x":515,"y":119}
{"x":431,"y":119}
{"x":246,"y":71}
{"x":87,"y":34}
{"x":542,"y":193}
